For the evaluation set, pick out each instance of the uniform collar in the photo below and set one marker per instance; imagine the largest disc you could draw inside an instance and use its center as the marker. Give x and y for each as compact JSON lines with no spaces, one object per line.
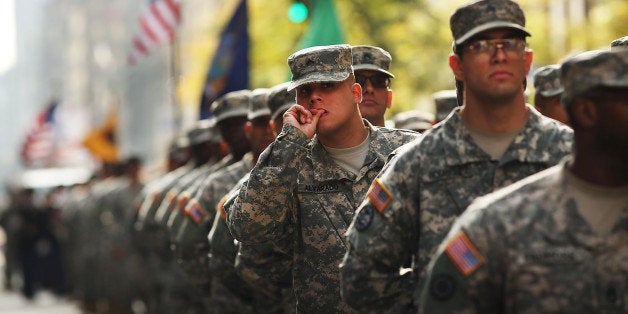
{"x":524,"y":147}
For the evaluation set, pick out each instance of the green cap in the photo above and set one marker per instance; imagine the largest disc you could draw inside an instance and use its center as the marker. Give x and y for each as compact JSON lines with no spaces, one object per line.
{"x":547,"y":81}
{"x":258,"y":106}
{"x":233,"y":104}
{"x":480,"y":16}
{"x":320,"y":64}
{"x":591,"y":69}
{"x":444,"y":101}
{"x":280,"y":99}
{"x":371,"y":58}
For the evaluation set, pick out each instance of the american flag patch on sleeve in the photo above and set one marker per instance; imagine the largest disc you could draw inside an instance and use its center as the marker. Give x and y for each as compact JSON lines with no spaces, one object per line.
{"x":221,"y":207}
{"x":196,"y":212}
{"x":379,"y":195}
{"x":463,"y":254}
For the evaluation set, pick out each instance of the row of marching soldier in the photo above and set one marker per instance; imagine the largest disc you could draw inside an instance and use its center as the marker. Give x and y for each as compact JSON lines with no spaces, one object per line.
{"x":299,"y":198}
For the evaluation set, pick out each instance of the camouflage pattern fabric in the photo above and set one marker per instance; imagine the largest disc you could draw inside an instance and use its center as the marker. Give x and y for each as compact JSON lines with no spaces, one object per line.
{"x":320,"y":64}
{"x":193,"y":246}
{"x":300,"y":200}
{"x":420,"y":193}
{"x":266,"y":268}
{"x":474,"y":18}
{"x":547,"y":80}
{"x":530,"y":251}
{"x":371,"y":58}
{"x":591,"y":69}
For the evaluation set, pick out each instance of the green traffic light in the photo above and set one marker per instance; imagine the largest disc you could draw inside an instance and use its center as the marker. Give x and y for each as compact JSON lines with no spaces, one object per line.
{"x":297,"y":12}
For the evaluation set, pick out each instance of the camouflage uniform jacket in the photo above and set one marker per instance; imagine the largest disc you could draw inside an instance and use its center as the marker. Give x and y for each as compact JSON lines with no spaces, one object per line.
{"x":229,"y":290}
{"x":419,"y":194}
{"x":192,"y":246}
{"x":528,"y":250}
{"x":300,"y":199}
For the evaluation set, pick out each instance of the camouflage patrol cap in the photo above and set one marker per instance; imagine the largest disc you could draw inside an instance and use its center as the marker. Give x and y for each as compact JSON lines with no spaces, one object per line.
{"x":371,"y":58}
{"x":280,"y":99}
{"x":479,"y":16}
{"x":204,"y":131}
{"x":444,"y":101}
{"x":258,"y":106}
{"x":547,"y":81}
{"x":233,"y":104}
{"x":620,"y":43}
{"x":415,"y":120}
{"x":591,"y":69}
{"x":320,"y":64}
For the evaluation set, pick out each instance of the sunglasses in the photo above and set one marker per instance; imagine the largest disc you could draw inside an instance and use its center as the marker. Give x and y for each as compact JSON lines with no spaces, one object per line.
{"x":377,"y":81}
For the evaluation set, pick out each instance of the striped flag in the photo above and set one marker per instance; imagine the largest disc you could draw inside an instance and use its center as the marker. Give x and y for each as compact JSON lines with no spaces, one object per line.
{"x":158,"y":26}
{"x":463,"y":254}
{"x":39,"y":146}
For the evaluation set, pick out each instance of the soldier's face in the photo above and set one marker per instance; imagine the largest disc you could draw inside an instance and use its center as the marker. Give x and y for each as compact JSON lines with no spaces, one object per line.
{"x":375,"y":99}
{"x":337,"y":100}
{"x":551,"y":107}
{"x":611,"y":119}
{"x":493,"y":74}
{"x":260,"y":133}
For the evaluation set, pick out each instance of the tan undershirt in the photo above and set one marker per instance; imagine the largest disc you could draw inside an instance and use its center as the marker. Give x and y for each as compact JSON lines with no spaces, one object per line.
{"x":352,"y":158}
{"x":495,"y":145}
{"x":600,"y":206}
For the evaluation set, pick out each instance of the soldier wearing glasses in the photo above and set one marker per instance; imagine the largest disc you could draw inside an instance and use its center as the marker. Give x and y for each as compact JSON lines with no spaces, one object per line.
{"x":491,"y":141}
{"x":370,"y":65}
{"x":556,"y":241}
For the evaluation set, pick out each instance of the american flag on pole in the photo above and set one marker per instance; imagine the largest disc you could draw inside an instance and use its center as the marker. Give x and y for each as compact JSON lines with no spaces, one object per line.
{"x":39,"y":146}
{"x":158,"y":26}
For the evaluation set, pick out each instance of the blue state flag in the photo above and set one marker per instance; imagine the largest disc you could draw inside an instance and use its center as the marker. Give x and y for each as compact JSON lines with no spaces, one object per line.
{"x":229,"y":69}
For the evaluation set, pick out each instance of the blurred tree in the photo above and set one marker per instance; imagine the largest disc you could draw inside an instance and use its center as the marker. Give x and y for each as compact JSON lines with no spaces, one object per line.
{"x":416,"y":33}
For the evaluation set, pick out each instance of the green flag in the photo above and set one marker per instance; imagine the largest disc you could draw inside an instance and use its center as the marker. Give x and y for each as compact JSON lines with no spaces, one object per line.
{"x":324,"y":26}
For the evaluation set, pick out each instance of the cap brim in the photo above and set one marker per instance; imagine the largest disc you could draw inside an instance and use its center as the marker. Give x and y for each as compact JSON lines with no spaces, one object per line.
{"x":552,"y":93}
{"x":491,"y":25}
{"x":417,"y":126}
{"x":258,"y":113}
{"x":281,"y":109}
{"x":231,"y":114}
{"x":316,"y":77}
{"x":372,"y":68}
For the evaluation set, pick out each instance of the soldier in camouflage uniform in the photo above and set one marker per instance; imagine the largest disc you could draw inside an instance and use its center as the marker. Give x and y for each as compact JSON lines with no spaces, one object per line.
{"x":547,"y":91}
{"x":304,"y":189}
{"x":257,"y":264}
{"x":557,"y":241}
{"x":191,"y":247}
{"x":493,"y":140}
{"x":171,"y":291}
{"x":370,"y":66}
{"x":230,"y":293}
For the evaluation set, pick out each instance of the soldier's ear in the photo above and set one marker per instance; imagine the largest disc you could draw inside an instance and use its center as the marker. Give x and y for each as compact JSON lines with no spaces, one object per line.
{"x":456,"y":66}
{"x":529,"y":55}
{"x":584,"y":113}
{"x":248,"y":129}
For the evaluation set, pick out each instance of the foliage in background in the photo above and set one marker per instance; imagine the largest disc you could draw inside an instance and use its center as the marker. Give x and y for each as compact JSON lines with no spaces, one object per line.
{"x":415,"y":32}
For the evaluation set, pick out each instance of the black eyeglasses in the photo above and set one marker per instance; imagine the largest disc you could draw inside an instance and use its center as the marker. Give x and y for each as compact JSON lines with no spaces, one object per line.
{"x":377,"y":81}
{"x":511,"y":46}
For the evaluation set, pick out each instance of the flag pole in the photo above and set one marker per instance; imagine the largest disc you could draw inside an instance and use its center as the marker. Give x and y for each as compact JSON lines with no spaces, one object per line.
{"x":174,"y":81}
